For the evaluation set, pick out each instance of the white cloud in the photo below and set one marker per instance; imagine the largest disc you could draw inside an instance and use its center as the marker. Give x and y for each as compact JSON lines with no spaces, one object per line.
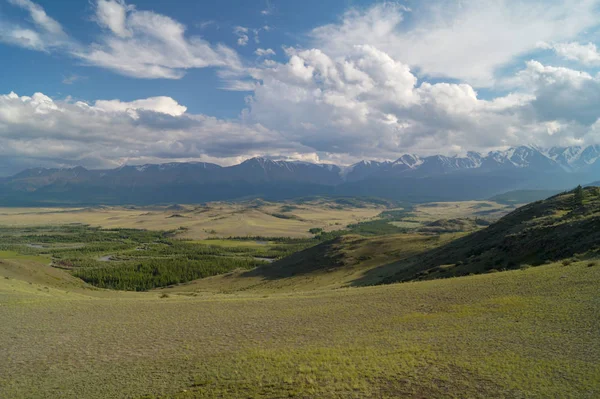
{"x":70,"y":79}
{"x":43,"y":33}
{"x":23,"y":38}
{"x":135,"y":43}
{"x":112,"y":14}
{"x":563,"y":94}
{"x":368,"y":104}
{"x":261,"y":52}
{"x":242,"y":34}
{"x":39,"y":130}
{"x":39,"y":17}
{"x":468,"y":41}
{"x":151,"y":45}
{"x":587,"y":54}
{"x":163,"y":105}
{"x":268,"y":10}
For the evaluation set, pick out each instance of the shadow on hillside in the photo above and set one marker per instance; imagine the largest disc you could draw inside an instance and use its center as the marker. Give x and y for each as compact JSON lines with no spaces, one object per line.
{"x":538,"y":233}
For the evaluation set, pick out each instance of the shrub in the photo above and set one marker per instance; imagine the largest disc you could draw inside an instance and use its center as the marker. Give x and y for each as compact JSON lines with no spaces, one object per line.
{"x":592,"y":264}
{"x":567,"y":262}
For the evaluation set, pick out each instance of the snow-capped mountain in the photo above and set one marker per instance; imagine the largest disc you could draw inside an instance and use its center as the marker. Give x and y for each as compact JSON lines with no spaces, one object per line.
{"x":409,"y":176}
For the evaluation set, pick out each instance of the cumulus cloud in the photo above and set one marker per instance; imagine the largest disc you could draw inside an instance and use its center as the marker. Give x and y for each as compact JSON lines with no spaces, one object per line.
{"x":369,"y":104}
{"x":563,"y":94}
{"x":39,"y":130}
{"x":360,"y":90}
{"x":468,"y":41}
{"x":163,"y":105}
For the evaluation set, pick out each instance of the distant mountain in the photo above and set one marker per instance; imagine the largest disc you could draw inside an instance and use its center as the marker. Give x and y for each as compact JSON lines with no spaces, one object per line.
{"x":410,"y":177}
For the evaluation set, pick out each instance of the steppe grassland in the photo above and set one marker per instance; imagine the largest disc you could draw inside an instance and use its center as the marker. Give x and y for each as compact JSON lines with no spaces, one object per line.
{"x":222,"y":219}
{"x":524,"y":333}
{"x":213,"y":220}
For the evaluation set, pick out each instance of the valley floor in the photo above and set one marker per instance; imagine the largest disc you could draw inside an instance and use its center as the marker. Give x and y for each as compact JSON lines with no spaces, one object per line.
{"x":529,"y":333}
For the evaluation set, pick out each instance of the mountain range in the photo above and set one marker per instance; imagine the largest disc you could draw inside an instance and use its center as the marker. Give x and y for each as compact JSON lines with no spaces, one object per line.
{"x":410,"y":177}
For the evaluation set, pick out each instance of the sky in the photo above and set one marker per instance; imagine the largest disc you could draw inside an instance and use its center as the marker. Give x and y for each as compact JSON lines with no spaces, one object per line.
{"x":103,"y":83}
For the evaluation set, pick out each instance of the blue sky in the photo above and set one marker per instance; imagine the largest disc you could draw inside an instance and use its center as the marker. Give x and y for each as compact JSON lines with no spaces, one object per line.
{"x":215,"y":21}
{"x":102,"y":83}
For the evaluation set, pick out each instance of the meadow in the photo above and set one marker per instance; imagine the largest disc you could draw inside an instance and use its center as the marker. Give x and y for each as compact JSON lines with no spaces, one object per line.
{"x":102,"y":248}
{"x":525,"y":333}
{"x":98,"y":311}
{"x":241,"y":219}
{"x":217,"y":219}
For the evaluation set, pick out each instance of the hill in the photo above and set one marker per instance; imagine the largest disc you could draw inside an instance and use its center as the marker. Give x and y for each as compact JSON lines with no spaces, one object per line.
{"x":559,"y":228}
{"x":291,"y":329}
{"x":546,"y":231}
{"x":466,"y":337}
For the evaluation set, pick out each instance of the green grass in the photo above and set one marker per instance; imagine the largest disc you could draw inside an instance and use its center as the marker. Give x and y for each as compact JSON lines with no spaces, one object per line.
{"x":558,"y":228}
{"x":139,"y":260}
{"x":525,"y":333}
{"x":234,"y":243}
{"x":18,"y":256}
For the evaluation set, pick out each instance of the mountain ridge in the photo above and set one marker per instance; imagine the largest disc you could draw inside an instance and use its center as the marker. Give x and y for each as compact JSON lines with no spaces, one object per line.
{"x":568,"y":158}
{"x":410,"y":177}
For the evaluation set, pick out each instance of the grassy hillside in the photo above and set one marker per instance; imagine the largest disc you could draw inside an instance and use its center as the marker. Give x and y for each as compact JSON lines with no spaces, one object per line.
{"x":559,"y":228}
{"x":299,"y":327}
{"x":526,"y":333}
{"x":546,"y":231}
{"x":330,"y":265}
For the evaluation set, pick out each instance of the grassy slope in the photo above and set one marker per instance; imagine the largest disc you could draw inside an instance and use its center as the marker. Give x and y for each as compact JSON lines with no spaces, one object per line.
{"x":540,"y":232}
{"x":332,"y":264}
{"x":528,"y":333}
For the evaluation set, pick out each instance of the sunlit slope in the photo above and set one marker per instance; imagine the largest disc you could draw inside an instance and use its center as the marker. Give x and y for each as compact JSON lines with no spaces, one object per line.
{"x":526,"y":333}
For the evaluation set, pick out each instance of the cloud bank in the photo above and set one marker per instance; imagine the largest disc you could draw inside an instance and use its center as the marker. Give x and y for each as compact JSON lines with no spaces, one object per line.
{"x":380,"y":82}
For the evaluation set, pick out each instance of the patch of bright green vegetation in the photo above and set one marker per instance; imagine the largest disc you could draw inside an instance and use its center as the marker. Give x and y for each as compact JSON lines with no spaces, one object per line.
{"x":142,"y":275}
{"x":139,"y":260}
{"x":383,"y":225}
{"x":17,"y":256}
